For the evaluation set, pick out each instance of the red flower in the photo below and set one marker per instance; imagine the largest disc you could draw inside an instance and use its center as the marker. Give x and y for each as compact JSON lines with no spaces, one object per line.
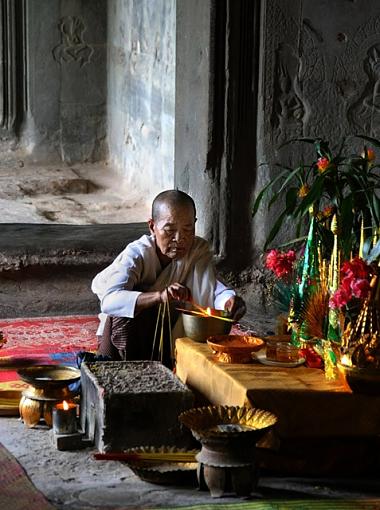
{"x":340,"y":298}
{"x":280,"y":263}
{"x":360,"y":288}
{"x":323,"y":164}
{"x":356,"y":268}
{"x":312,"y":358}
{"x":354,"y":284}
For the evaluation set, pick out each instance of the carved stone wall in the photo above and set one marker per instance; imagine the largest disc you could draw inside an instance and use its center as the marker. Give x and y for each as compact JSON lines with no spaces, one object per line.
{"x":53,"y":79}
{"x":66,"y":78}
{"x":319,"y":77}
{"x":141,"y":85}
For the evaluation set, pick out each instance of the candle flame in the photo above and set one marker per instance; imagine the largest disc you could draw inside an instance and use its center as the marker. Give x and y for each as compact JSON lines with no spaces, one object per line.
{"x":65,"y":405}
{"x":346,"y":360}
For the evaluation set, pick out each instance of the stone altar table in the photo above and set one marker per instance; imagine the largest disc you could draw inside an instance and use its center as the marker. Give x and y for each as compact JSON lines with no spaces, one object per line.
{"x":322,"y":426}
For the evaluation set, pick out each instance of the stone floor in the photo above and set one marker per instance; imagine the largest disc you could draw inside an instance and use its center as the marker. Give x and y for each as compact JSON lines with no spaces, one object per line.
{"x":76,"y":481}
{"x":76,"y":194}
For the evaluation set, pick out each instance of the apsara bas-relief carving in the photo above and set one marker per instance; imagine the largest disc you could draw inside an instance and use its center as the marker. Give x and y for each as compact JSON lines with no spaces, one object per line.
{"x":289,"y":108}
{"x":72,"y":48}
{"x":312,"y":89}
{"x":365,"y":112}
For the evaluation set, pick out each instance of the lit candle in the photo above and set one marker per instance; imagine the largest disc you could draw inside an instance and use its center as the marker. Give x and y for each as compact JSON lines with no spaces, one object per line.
{"x":65,"y":418}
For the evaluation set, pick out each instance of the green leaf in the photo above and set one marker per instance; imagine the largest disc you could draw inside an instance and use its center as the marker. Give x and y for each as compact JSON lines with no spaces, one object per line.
{"x":323,"y":150}
{"x":289,"y":178}
{"x":374,"y":254}
{"x":276,"y":227}
{"x":306,"y":140}
{"x":266,"y":188}
{"x":376,"y":209}
{"x":291,"y":200}
{"x":367,"y":248}
{"x":346,"y":216}
{"x":313,"y":195}
{"x":374,"y":141}
{"x":293,"y":242}
{"x":259,"y":197}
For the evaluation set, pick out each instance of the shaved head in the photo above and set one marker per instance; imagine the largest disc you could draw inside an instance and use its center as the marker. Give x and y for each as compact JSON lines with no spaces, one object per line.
{"x":171,"y":198}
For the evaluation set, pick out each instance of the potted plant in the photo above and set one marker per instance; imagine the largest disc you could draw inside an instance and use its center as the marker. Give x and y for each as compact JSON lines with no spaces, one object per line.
{"x":335,"y":197}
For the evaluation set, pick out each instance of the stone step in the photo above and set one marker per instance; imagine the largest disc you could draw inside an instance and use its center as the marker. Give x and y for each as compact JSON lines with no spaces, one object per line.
{"x":48,"y":269}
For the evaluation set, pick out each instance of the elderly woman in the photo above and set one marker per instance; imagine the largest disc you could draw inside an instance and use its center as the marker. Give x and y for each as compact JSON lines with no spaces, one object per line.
{"x":170,"y":265}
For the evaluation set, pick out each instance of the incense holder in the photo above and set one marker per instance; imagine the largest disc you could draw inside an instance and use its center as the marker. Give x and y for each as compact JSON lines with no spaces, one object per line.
{"x":228,"y":435}
{"x":200,"y":327}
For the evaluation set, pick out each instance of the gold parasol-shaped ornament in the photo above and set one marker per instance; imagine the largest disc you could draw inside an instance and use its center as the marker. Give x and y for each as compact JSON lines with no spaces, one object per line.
{"x":361,"y":340}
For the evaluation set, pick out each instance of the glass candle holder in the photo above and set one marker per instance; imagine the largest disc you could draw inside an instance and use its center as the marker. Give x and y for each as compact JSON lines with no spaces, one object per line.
{"x":287,"y":353}
{"x":271,"y":350}
{"x":65,"y":418}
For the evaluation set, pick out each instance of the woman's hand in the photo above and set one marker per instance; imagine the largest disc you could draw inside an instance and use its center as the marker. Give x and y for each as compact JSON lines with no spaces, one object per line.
{"x":175,"y":292}
{"x":235,"y":307}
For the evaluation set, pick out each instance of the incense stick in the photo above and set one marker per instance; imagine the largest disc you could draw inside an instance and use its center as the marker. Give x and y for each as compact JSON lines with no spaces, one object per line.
{"x":206,"y":315}
{"x":148,"y":456}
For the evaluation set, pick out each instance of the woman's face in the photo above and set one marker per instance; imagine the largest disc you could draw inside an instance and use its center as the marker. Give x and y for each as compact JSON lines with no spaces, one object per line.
{"x":174,"y":230}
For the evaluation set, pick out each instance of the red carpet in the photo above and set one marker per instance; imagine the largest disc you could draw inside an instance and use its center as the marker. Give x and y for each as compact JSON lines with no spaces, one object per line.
{"x":41,"y":340}
{"x":16,"y":490}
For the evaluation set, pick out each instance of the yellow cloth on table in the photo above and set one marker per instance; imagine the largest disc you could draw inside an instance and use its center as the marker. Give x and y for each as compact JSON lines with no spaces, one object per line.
{"x":306,"y":404}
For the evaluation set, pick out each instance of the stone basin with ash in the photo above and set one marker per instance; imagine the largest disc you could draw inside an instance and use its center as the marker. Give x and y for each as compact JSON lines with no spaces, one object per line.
{"x":132,"y":403}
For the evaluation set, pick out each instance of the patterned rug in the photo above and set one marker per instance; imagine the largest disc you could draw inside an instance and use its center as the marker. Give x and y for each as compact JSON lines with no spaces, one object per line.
{"x":301,"y":504}
{"x":16,"y":490}
{"x":37,"y":340}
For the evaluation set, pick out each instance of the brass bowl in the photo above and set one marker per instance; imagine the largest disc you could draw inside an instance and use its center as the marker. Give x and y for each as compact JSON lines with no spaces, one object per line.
{"x":49,"y":376}
{"x":165,"y":472}
{"x":199,"y":327}
{"x":361,"y":380}
{"x":219,"y":421}
{"x":234,"y":348}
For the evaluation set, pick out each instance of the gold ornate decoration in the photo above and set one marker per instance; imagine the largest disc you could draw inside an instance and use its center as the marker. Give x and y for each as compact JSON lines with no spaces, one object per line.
{"x":361,"y":341}
{"x":226,"y":420}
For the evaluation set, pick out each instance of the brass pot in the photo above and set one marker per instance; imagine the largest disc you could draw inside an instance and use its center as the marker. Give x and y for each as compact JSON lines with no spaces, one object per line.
{"x":199,"y":327}
{"x":361,"y":380}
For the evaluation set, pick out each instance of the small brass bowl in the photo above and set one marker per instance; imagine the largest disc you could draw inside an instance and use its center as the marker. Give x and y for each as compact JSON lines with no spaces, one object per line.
{"x":48,"y":376}
{"x":219,"y":421}
{"x":162,"y":471}
{"x":361,"y":380}
{"x":234,"y":348}
{"x":199,"y":327}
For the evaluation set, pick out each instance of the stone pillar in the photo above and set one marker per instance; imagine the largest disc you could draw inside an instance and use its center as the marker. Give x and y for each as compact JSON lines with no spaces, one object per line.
{"x":216,"y":94}
{"x":199,"y":121}
{"x":140,"y":90}
{"x":11,"y":23}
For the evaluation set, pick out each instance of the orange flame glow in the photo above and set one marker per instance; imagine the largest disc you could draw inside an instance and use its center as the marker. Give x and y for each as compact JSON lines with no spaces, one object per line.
{"x":346,"y":360}
{"x":208,"y":311}
{"x":65,"y":405}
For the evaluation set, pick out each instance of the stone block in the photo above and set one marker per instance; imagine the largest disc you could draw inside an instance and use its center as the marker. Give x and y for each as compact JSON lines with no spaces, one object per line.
{"x":64,"y":442}
{"x":133,"y":403}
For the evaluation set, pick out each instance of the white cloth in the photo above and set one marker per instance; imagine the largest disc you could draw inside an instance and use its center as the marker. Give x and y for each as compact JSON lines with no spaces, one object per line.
{"x":137,"y":269}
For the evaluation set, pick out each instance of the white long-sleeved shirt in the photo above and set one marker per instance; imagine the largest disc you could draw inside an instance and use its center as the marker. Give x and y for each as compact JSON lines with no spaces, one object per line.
{"x":137,"y":269}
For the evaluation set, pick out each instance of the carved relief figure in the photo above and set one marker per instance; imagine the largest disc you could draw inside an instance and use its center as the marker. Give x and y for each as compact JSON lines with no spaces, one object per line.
{"x":72,"y":46}
{"x":288,"y":114}
{"x":365,"y":112}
